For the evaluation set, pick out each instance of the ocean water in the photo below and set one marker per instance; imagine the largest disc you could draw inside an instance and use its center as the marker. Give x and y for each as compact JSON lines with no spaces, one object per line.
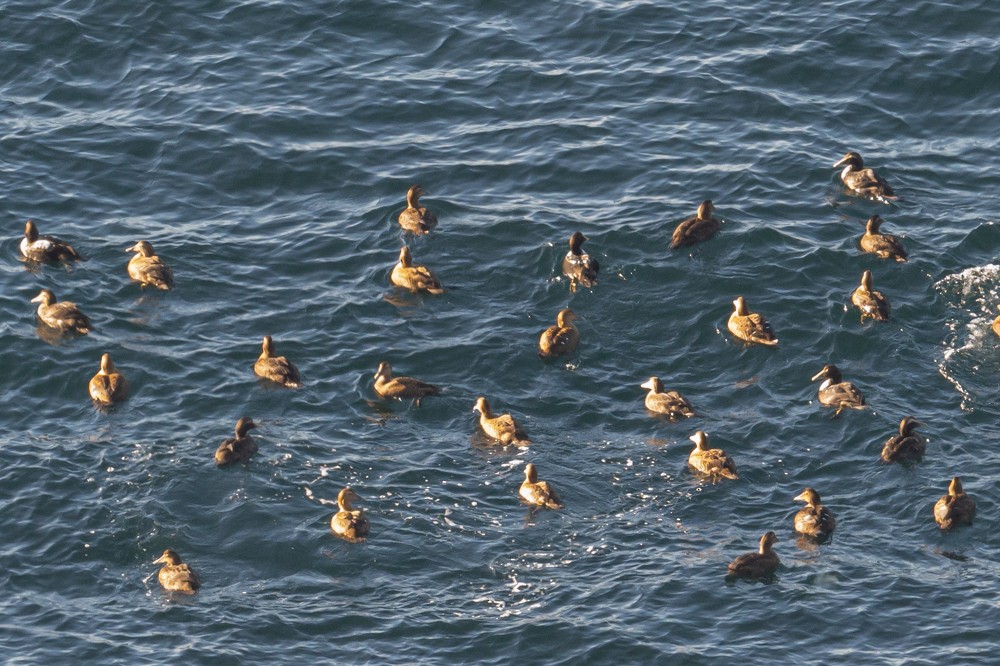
{"x":265,"y":149}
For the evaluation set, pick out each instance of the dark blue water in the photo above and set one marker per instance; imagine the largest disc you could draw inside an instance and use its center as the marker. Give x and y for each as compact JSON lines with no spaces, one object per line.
{"x":265,"y":149}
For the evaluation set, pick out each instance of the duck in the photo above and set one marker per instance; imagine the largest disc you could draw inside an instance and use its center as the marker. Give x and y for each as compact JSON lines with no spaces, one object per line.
{"x":814,"y":520}
{"x":906,"y":446}
{"x":239,"y":448}
{"x":750,"y":326}
{"x":835,"y":392}
{"x":578,"y":266}
{"x":278,"y":369}
{"x":176,"y":576}
{"x":863,"y":181}
{"x":956,"y":508}
{"x":671,"y":403}
{"x":349,"y":523}
{"x":996,"y":324}
{"x":883,"y":246}
{"x":761,"y":564}
{"x":401,"y":388}
{"x":65,"y":316}
{"x":697,"y":228}
{"x":710,"y":462}
{"x":539,"y":493}
{"x":148,"y":269}
{"x":108,"y":386}
{"x":45,"y":248}
{"x":873,"y":304}
{"x":560,"y":339}
{"x":415,"y":278}
{"x":502,"y":428}
{"x":415,"y":217}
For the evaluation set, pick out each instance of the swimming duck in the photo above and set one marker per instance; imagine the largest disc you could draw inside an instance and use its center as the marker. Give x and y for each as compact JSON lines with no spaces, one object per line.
{"x":711,"y":462}
{"x":579,"y":266}
{"x":64,"y":316}
{"x":45,"y":248}
{"x":148,"y":269}
{"x":108,"y":386}
{"x":814,"y":519}
{"x":906,"y":446}
{"x":176,"y":576}
{"x":996,"y":324}
{"x":239,"y":448}
{"x":835,"y":392}
{"x":560,"y":339}
{"x":761,"y":564}
{"x":873,"y":304}
{"x":700,"y":226}
{"x":502,"y":428}
{"x":414,"y":278}
{"x":276,"y":368}
{"x":670,"y":403}
{"x":401,"y":388}
{"x":349,"y":523}
{"x":955,"y":508}
{"x":415,"y":217}
{"x":863,"y":181}
{"x":750,"y":326}
{"x":539,"y":493}
{"x":883,"y":246}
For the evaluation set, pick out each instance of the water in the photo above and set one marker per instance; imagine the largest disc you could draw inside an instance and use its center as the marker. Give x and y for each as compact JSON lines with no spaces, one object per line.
{"x":265,"y":149}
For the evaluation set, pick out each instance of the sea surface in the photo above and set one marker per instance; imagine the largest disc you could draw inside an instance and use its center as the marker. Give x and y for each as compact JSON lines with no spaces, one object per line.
{"x":265,"y":148}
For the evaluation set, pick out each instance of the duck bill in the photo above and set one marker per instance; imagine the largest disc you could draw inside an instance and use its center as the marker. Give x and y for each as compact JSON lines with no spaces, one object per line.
{"x":37,"y":299}
{"x":647,"y":385}
{"x":841,"y":162}
{"x":161,"y":559}
{"x":801,"y":497}
{"x":818,"y":375}
{"x":134,"y":248}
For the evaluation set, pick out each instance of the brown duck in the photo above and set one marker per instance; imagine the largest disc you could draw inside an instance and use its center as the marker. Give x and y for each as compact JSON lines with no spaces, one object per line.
{"x":861,"y":180}
{"x":45,"y":248}
{"x":65,"y":316}
{"x":996,"y":324}
{"x":711,"y":462}
{"x":700,"y":226}
{"x":956,"y":508}
{"x":814,"y":520}
{"x":560,"y":339}
{"x":579,"y":266}
{"x":761,"y":564}
{"x":671,"y":403}
{"x":108,"y":386}
{"x":906,"y":446}
{"x":148,"y":269}
{"x":239,"y":448}
{"x":278,"y":369}
{"x":176,"y":576}
{"x":539,"y":493}
{"x":750,"y":326}
{"x":349,"y":523}
{"x":401,"y":388}
{"x":883,"y":246}
{"x":502,"y":428}
{"x":415,"y":217}
{"x":873,"y":304}
{"x":835,"y":392}
{"x":414,"y":278}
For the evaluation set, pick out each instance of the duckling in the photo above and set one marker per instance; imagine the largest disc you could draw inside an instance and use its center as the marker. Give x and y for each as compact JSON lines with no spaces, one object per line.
{"x":955,"y":508}
{"x":883,"y":246}
{"x":401,"y":388}
{"x":414,"y":278}
{"x":996,"y":324}
{"x":349,"y":523}
{"x":750,"y":326}
{"x":45,"y":248}
{"x":578,"y":266}
{"x":239,"y":448}
{"x":906,"y":446}
{"x":502,"y":428}
{"x":700,"y":226}
{"x":863,"y":181}
{"x":539,"y":493}
{"x":814,"y":519}
{"x":415,"y":217}
{"x":64,"y":316}
{"x":108,"y":386}
{"x":560,"y":339}
{"x":176,"y":576}
{"x":671,"y":403}
{"x":873,"y":304}
{"x":711,"y":462}
{"x":761,"y":564}
{"x":276,"y":368}
{"x":148,"y":269}
{"x":835,"y":392}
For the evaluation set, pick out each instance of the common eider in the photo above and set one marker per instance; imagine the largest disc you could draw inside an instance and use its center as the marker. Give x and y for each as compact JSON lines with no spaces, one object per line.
{"x":761,"y":564}
{"x":148,"y":269}
{"x":108,"y":386}
{"x":750,"y":326}
{"x":539,"y":493}
{"x":711,"y":462}
{"x":956,"y":508}
{"x":700,"y":226}
{"x":176,"y":576}
{"x":502,"y":428}
{"x":64,"y":316}
{"x":560,"y":339}
{"x":239,"y":448}
{"x":45,"y":248}
{"x":906,"y":446}
{"x":873,"y":304}
{"x":671,"y":403}
{"x":835,"y":392}
{"x":415,"y":217}
{"x":401,"y":388}
{"x":883,"y":246}
{"x":414,"y":278}
{"x":863,"y":181}
{"x":578,"y":266}
{"x":349,"y":523}
{"x":996,"y":324}
{"x":278,"y":369}
{"x":814,"y":520}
